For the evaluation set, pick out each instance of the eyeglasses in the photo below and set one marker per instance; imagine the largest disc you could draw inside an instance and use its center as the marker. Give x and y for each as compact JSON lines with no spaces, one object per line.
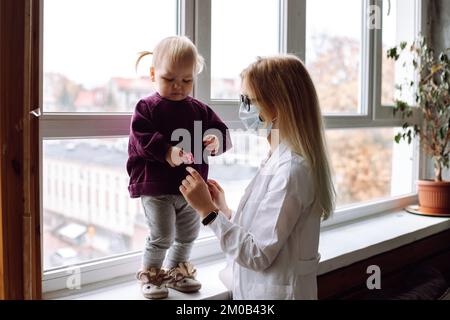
{"x":246,"y":101}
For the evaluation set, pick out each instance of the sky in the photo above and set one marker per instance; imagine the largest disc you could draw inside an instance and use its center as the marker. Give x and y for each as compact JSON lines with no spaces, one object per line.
{"x":92,"y":40}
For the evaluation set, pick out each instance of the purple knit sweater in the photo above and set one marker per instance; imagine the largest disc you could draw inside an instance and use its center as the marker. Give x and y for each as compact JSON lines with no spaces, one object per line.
{"x":154,"y":121}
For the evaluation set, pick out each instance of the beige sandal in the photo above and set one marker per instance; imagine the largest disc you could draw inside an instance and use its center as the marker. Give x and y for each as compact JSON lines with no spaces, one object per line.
{"x":153,"y":283}
{"x":182,"y":278}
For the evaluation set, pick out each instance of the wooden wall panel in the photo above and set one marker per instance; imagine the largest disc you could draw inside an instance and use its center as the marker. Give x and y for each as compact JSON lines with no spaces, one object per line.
{"x":12,"y":100}
{"x":2,"y":288}
{"x":350,"y":282}
{"x":19,"y":141}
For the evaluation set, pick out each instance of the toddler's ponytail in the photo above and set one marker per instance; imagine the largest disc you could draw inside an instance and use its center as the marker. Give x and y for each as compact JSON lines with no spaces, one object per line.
{"x":141,"y":55}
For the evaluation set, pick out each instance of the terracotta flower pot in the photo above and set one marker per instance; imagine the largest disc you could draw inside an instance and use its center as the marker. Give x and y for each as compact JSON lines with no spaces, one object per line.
{"x":434,"y":197}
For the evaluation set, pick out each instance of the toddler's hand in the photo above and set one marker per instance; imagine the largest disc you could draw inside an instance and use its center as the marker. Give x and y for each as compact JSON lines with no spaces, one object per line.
{"x":211,"y":143}
{"x":187,"y":157}
{"x":176,"y":156}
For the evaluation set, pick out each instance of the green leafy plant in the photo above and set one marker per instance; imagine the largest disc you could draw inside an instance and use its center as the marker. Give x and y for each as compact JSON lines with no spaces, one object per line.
{"x":432,"y":101}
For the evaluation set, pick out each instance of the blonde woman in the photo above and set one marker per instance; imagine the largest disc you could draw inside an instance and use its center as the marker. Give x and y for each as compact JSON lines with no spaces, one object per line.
{"x":272,"y":239}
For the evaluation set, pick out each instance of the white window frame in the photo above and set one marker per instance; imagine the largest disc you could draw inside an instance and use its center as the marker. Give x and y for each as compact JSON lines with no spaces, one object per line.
{"x":194,"y":20}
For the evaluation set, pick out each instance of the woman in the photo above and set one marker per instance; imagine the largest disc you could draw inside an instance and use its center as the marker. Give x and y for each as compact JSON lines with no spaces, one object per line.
{"x":273,"y":237}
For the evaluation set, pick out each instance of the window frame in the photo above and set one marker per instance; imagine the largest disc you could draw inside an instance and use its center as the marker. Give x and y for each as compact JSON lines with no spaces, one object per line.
{"x":195,"y":16}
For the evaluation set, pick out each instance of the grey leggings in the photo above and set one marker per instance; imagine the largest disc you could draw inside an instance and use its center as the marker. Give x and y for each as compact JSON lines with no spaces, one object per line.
{"x":173,"y":224}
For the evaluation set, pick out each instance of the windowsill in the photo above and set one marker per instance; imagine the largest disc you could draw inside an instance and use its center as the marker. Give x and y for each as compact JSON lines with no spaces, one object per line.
{"x":129,"y":289}
{"x":345,"y":244}
{"x":340,"y":246}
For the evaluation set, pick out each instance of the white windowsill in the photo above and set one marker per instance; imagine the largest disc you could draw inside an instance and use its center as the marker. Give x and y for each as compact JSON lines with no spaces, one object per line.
{"x":340,"y":246}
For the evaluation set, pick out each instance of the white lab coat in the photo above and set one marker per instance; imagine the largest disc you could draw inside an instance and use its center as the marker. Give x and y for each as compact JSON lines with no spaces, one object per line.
{"x":272,"y":239}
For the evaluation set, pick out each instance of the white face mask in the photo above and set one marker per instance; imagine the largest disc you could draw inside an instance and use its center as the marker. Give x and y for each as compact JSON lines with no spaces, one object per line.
{"x":249,"y":115}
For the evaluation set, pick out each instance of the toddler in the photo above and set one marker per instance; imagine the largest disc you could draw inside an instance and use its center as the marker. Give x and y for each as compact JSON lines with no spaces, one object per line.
{"x":157,"y":164}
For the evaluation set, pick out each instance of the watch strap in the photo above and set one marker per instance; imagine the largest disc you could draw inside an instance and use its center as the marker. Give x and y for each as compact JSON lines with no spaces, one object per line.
{"x":210,"y":217}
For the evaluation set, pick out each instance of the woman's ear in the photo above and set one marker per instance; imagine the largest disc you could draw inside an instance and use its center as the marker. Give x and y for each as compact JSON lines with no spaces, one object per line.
{"x":271,"y":116}
{"x":274,"y":115}
{"x":152,"y":74}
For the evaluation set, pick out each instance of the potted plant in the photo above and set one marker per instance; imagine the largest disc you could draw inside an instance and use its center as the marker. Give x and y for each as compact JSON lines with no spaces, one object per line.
{"x":432,"y":102}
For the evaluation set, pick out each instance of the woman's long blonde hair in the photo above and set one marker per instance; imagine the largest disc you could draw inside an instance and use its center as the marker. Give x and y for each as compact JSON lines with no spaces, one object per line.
{"x":176,"y":49}
{"x":283,"y":88}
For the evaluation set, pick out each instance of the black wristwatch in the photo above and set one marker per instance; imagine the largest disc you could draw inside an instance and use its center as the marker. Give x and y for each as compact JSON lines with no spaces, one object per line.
{"x":210,"y":217}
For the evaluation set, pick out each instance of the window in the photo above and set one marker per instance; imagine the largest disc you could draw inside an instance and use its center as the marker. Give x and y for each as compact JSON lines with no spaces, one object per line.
{"x":95,"y":217}
{"x":90,"y":87}
{"x":333,"y":53}
{"x":399,"y":25}
{"x":89,"y":82}
{"x":389,"y":40}
{"x":236,"y":42}
{"x":368,"y":164}
{"x":95,"y":167}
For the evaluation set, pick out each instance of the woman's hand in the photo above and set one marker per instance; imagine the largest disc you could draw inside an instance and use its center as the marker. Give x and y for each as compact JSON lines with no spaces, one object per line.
{"x":195,"y":190}
{"x":218,"y":196}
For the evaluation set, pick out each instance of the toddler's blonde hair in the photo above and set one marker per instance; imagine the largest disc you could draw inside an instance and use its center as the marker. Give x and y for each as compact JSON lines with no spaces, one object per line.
{"x":178,"y":49}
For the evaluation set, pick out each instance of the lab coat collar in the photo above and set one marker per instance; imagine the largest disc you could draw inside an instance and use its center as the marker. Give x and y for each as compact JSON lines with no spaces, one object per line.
{"x":273,"y":159}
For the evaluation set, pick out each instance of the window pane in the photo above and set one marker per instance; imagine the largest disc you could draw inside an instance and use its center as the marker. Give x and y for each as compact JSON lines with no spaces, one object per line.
{"x":398,"y":26}
{"x":389,"y":35}
{"x":88,"y":213}
{"x":235,"y":168}
{"x":333,"y":50}
{"x":369,"y":165}
{"x":240,"y":31}
{"x":90,"y":48}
